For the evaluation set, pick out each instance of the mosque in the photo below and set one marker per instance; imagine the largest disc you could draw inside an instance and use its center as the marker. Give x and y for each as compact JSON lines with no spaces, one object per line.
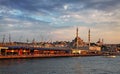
{"x":81,"y":47}
{"x":77,"y":42}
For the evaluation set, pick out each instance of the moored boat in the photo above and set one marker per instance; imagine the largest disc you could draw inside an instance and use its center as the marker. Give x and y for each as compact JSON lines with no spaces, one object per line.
{"x":112,"y":56}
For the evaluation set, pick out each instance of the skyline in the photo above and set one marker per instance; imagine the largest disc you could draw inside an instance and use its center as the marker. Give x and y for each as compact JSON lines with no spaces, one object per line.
{"x":57,"y":20}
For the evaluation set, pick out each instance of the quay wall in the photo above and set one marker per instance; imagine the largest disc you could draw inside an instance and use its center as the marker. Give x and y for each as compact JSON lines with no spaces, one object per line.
{"x":44,"y":56}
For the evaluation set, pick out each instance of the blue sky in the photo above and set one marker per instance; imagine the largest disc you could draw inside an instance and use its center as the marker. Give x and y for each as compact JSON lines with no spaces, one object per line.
{"x":56,"y":20}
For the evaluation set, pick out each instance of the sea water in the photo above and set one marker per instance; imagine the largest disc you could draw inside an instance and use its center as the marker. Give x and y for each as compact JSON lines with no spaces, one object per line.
{"x":64,"y":65}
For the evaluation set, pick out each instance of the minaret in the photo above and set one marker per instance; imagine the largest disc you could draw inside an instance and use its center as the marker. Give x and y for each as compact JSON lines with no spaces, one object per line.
{"x":77,"y":32}
{"x":89,"y":37}
{"x":77,"y":37}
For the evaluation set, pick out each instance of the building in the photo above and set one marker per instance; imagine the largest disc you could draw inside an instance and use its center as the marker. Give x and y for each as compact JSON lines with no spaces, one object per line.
{"x":2,"y":48}
{"x":23,"y":50}
{"x":99,"y":42}
{"x":78,"y":45}
{"x":95,"y":48}
{"x":77,"y":42}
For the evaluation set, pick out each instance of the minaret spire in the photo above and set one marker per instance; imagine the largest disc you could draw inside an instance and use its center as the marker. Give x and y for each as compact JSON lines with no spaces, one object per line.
{"x":77,"y":37}
{"x":89,"y":37}
{"x":77,"y":32}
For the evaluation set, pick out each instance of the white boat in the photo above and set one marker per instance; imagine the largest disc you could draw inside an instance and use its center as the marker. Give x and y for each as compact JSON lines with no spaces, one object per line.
{"x":112,"y":56}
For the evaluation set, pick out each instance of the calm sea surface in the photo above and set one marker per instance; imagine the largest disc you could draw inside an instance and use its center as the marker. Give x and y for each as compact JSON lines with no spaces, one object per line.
{"x":67,"y":65}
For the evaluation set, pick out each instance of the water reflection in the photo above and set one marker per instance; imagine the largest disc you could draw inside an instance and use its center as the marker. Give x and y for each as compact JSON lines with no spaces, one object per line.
{"x":72,"y":65}
{"x":11,"y":62}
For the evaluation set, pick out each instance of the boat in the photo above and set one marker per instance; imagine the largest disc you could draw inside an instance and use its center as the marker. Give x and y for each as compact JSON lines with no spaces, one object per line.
{"x":112,"y":56}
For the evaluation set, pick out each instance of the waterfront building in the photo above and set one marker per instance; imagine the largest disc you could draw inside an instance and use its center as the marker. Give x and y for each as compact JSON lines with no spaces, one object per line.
{"x":95,"y":48}
{"x":48,"y":45}
{"x":82,"y":51}
{"x":118,"y":49}
{"x":23,"y":50}
{"x":61,"y":44}
{"x":2,"y":48}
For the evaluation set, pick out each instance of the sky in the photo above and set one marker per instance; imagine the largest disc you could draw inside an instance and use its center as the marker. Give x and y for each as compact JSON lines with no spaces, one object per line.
{"x":57,"y":20}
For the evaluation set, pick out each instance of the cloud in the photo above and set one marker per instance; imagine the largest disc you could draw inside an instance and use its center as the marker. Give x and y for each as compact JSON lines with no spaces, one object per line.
{"x":59,"y":17}
{"x":65,"y":7}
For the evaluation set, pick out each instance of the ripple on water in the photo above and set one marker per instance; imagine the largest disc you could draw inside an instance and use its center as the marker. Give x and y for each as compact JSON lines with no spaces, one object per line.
{"x":71,"y":65}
